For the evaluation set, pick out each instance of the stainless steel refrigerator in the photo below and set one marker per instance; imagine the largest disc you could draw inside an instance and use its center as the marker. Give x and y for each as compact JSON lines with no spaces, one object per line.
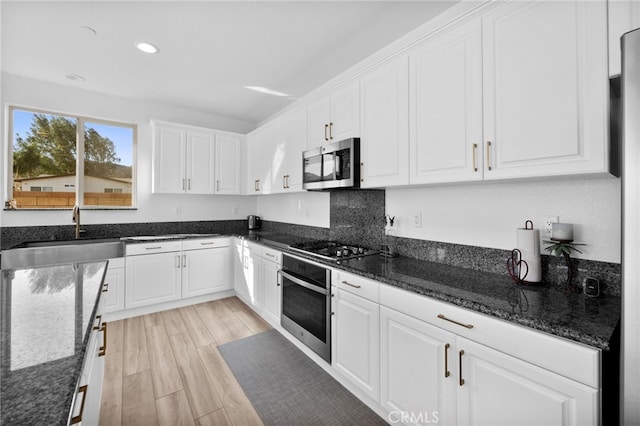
{"x":630,"y":344}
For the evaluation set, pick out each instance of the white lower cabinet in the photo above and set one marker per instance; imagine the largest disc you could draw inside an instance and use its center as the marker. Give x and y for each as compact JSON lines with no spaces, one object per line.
{"x":271,"y":284}
{"x":417,"y":370}
{"x":173,"y":270}
{"x":86,"y":406}
{"x":153,"y":278}
{"x":206,"y":267}
{"x":114,"y":285}
{"x":497,"y":389}
{"x":256,"y":278}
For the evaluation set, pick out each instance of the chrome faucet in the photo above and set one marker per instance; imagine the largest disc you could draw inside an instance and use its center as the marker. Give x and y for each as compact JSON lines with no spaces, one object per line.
{"x":76,"y":219}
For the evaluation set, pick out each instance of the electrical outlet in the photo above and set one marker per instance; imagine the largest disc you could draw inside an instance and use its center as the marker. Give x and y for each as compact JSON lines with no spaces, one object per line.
{"x":178,"y":211}
{"x":548,"y":220}
{"x":417,"y":220}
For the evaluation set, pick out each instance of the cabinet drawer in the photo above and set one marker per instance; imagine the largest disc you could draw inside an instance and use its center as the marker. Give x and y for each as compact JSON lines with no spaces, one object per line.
{"x":272,"y":255}
{"x":355,"y":284}
{"x":151,"y":248}
{"x":202,"y":243}
{"x":570,"y":359}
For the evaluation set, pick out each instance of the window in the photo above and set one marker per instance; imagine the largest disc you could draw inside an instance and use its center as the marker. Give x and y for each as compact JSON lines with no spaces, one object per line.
{"x":75,"y":160}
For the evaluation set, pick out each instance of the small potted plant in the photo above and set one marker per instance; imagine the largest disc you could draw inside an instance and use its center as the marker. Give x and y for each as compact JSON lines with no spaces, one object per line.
{"x":564,"y":248}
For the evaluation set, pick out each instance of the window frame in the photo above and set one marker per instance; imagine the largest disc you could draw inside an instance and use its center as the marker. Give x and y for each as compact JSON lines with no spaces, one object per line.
{"x":80,"y":144}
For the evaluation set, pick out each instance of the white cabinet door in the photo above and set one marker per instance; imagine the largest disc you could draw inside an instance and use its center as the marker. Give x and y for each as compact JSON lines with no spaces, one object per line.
{"x":272,"y":291}
{"x":201,"y":149}
{"x":256,"y":289}
{"x":288,"y":155}
{"x":153,"y":278}
{"x":384,"y":105}
{"x":318,"y":118}
{"x":345,"y":112}
{"x":418,"y":369}
{"x":334,"y":117}
{"x":169,"y":150}
{"x":227,"y":164}
{"x":446,"y":107}
{"x":114,"y":281}
{"x":545,"y":89}
{"x":498,"y":389}
{"x":260,"y":152}
{"x":355,"y":343}
{"x":206,"y":271}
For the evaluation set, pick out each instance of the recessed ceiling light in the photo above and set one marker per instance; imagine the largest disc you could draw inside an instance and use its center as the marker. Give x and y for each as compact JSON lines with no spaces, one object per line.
{"x":75,"y":77}
{"x":145,"y":47}
{"x":266,"y":91}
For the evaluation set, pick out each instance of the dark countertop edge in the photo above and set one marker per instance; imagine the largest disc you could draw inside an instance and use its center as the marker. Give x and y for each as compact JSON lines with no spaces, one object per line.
{"x":537,"y":324}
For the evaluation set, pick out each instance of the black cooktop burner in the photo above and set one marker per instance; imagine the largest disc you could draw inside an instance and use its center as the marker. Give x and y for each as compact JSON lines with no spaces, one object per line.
{"x":333,"y":250}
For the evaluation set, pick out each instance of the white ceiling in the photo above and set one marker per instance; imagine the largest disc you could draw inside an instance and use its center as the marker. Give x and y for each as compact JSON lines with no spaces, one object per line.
{"x":209,"y":50}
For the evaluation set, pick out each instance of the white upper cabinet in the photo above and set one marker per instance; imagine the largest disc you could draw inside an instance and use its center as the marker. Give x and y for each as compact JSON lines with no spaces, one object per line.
{"x":261,"y":147}
{"x":446,"y":107}
{"x":545,"y":89}
{"x":334,"y":117}
{"x":169,"y":164}
{"x":384,"y":108}
{"x":289,"y":141}
{"x":227,"y":164}
{"x":194,"y":160}
{"x":624,"y":16}
{"x":201,"y":149}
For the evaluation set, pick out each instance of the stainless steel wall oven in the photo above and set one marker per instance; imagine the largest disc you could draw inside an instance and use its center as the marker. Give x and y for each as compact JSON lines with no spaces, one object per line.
{"x":306,"y":303}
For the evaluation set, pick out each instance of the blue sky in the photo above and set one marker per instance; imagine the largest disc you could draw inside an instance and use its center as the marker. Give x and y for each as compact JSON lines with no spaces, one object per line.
{"x":120,"y":136}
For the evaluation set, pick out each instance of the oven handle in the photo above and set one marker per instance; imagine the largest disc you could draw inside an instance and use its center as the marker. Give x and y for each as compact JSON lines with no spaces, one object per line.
{"x":303,"y":283}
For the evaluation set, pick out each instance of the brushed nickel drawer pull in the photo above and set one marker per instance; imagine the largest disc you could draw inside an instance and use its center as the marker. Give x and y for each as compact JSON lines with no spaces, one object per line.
{"x":177,"y":261}
{"x":153,"y":248}
{"x":326,"y":126}
{"x":352,"y":285}
{"x":488,"y":155}
{"x":469,"y":326}
{"x":210,"y":243}
{"x":330,"y":130}
{"x":103,"y":349}
{"x":218,"y":186}
{"x":447,"y":373}
{"x":78,"y":418}
{"x":105,"y":287}
{"x":361,"y":173}
{"x":460,"y":366}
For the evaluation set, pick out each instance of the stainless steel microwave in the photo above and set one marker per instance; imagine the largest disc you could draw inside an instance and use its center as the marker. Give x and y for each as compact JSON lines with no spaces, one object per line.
{"x":333,"y":165}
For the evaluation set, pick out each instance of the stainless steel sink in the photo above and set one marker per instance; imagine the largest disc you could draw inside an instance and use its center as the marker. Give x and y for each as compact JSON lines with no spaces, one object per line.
{"x":40,"y":253}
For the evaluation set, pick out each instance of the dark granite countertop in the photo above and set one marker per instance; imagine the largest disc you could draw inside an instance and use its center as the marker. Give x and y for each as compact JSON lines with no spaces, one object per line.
{"x":591,"y":321}
{"x":46,"y":320}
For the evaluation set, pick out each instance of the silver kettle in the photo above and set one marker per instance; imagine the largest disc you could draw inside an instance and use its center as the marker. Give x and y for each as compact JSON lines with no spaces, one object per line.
{"x":253,"y":222}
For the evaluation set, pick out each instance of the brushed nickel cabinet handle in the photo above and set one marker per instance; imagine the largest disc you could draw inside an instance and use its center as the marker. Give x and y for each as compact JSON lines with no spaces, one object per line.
{"x":258,"y":185}
{"x":361,"y":172}
{"x":488,"y":155}
{"x":469,"y":326}
{"x":153,"y":248}
{"x":177,"y":261}
{"x":209,"y":243}
{"x":218,"y":185}
{"x":331,"y":131}
{"x":183,"y":184}
{"x":447,"y":373}
{"x":460,"y":366}
{"x":103,"y":349}
{"x":105,"y":287}
{"x":326,"y":126}
{"x":78,"y":418}
{"x":184,"y":260}
{"x":352,"y":285}
{"x":475,"y":163}
{"x":284,"y":181}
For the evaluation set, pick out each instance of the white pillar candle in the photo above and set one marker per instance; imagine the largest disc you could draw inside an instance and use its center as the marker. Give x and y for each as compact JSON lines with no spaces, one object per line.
{"x":562,"y":231}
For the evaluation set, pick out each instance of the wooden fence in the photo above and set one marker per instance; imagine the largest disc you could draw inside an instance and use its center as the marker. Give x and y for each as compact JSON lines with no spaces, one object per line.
{"x":56,"y":200}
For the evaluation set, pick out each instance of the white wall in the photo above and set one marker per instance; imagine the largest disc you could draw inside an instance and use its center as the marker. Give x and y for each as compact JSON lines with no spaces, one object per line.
{"x":302,"y":208}
{"x":488,"y":214}
{"x":25,"y":92}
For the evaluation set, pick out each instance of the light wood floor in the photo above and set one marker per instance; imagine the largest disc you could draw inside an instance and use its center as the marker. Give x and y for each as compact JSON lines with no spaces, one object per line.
{"x":165,"y":368}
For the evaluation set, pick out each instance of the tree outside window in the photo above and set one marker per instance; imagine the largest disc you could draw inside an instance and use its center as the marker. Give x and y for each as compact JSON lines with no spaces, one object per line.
{"x":75,"y":158}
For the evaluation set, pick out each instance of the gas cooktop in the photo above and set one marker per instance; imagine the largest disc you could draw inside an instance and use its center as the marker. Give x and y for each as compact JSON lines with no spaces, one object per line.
{"x":332,"y":250}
